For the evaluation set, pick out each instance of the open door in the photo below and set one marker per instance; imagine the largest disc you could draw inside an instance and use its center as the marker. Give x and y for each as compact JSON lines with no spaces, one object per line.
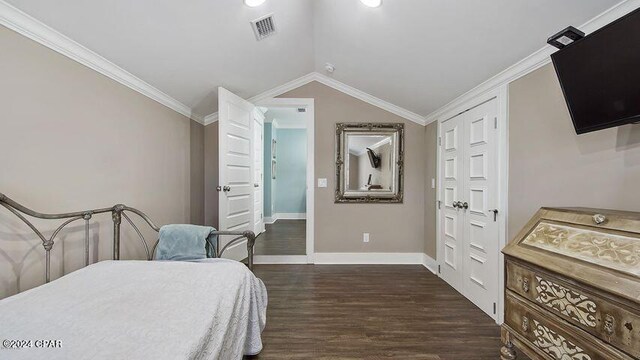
{"x":236,"y":176}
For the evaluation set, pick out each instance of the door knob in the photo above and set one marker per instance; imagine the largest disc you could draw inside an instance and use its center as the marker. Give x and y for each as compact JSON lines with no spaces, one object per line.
{"x":465,"y":205}
{"x":218,"y":188}
{"x":456,"y":204}
{"x":226,"y":188}
{"x":256,"y":185}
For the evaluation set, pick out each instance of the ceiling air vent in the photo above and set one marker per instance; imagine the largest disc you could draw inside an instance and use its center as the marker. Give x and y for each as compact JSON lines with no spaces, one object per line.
{"x":263,"y":27}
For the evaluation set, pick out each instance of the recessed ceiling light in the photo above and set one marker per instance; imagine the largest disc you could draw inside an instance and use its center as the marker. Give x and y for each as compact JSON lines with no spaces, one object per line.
{"x":254,"y":3}
{"x":372,"y":3}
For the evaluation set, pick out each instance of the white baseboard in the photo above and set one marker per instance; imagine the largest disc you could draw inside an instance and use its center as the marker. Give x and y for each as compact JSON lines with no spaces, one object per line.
{"x":280,"y":259}
{"x":430,"y":263}
{"x":284,"y":216}
{"x":291,"y":216}
{"x":369,"y":258}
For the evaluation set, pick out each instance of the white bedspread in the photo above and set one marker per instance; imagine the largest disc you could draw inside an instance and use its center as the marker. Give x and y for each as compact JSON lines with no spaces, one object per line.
{"x":140,"y":310}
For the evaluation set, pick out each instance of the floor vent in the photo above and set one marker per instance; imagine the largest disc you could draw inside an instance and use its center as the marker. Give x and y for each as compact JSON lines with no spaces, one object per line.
{"x":263,"y":27}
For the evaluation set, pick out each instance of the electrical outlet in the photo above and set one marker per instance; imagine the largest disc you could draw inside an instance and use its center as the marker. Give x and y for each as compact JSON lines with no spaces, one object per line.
{"x":322,"y":182}
{"x":365,"y":237}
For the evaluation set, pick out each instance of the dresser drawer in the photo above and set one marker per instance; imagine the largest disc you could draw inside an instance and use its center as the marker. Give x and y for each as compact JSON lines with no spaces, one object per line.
{"x":610,"y":322}
{"x":551,"y":336}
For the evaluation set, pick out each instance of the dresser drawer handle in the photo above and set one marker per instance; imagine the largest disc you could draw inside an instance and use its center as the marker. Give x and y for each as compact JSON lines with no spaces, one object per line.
{"x":609,"y":324}
{"x":599,"y":219}
{"x":525,"y":284}
{"x":525,"y":324}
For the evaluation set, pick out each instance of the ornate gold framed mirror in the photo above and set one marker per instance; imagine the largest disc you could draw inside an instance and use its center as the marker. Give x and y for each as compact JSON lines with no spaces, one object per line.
{"x":369,"y":163}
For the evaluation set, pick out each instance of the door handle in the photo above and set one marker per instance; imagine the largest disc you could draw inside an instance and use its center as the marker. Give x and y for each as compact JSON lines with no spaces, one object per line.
{"x":256,"y":185}
{"x":465,"y":205}
{"x":495,"y":214}
{"x":226,"y":188}
{"x":218,"y":188}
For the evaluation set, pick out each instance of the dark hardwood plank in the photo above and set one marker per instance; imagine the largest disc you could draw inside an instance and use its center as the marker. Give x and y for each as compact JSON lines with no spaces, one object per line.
{"x":284,"y":237}
{"x":370,"y":312}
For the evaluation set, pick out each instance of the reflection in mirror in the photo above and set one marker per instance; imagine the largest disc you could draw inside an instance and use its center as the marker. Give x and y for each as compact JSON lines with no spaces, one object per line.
{"x":369,"y":164}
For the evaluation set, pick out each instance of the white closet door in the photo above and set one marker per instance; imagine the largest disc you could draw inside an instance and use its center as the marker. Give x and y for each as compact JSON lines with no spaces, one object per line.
{"x":235,"y":168}
{"x":451,"y":246}
{"x":469,"y":236}
{"x":258,"y":171}
{"x":481,"y":237}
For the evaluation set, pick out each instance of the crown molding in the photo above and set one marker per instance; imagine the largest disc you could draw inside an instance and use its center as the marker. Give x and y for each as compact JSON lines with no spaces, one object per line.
{"x":534,"y":61}
{"x":337,"y":85}
{"x":284,"y":88}
{"x":210,"y":119}
{"x":26,"y":25}
{"x":361,"y":95}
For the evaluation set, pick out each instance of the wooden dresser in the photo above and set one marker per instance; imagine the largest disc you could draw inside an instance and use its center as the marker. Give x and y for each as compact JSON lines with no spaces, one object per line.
{"x":572,"y":287}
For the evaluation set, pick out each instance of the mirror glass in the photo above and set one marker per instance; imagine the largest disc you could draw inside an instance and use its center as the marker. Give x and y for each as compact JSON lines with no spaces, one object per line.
{"x":369,"y":162}
{"x":369,"y":165}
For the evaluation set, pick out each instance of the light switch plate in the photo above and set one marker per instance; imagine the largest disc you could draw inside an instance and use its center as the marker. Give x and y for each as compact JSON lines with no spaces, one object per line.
{"x":433,"y":183}
{"x":322,"y":182}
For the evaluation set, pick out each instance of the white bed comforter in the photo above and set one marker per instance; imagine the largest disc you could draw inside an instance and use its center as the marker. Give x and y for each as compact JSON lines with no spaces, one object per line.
{"x":140,"y":310}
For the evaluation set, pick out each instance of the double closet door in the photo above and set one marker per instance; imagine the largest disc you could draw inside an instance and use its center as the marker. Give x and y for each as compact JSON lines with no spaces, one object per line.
{"x":469,"y":233}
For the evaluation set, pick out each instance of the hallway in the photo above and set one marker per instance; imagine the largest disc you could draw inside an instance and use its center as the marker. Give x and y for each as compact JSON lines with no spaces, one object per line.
{"x":284,"y":237}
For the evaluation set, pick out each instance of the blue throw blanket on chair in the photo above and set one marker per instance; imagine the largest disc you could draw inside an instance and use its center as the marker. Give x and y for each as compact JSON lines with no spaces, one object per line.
{"x":186,"y":242}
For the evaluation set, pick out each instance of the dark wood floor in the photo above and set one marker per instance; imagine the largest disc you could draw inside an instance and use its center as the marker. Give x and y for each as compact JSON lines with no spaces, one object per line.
{"x":284,"y":237}
{"x":370,"y":312}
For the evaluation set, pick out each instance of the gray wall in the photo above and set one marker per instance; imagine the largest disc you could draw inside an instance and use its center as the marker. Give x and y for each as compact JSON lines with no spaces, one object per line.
{"x":197,"y":173}
{"x":211,"y":162}
{"x":72,"y":139}
{"x":339,"y":227}
{"x":430,"y":195}
{"x":549,"y":165}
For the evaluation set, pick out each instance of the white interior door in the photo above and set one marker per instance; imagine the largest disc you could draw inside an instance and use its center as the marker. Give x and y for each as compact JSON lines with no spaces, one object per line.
{"x":451,"y":222}
{"x":469,"y":230}
{"x":258,"y":171}
{"x":236,"y":138}
{"x":481,"y":250}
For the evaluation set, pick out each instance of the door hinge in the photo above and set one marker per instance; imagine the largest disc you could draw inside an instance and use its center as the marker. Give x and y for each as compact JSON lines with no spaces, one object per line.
{"x":439,"y":204}
{"x":495,"y":308}
{"x":439,"y":272}
{"x":440,"y":141}
{"x":495,"y":122}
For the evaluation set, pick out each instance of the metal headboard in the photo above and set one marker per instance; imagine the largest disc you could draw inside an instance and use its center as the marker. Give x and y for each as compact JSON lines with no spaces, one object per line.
{"x":117,"y":213}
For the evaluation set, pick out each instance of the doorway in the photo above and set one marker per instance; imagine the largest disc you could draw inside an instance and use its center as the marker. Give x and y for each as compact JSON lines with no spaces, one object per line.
{"x":284,"y":198}
{"x":309,"y":122}
{"x":242,"y":167}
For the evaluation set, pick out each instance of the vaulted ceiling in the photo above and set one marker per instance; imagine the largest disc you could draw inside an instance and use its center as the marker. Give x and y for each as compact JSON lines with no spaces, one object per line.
{"x":417,"y":54}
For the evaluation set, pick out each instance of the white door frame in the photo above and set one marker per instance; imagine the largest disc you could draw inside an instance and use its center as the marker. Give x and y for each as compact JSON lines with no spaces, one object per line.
{"x":500,"y":93}
{"x":310,"y":126}
{"x":257,"y":114}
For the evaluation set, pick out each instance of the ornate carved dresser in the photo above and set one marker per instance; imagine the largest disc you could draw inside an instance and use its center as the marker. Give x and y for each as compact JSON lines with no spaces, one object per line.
{"x":572,"y":287}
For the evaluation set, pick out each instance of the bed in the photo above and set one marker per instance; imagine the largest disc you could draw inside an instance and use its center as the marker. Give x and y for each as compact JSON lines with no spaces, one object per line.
{"x":136,"y":309}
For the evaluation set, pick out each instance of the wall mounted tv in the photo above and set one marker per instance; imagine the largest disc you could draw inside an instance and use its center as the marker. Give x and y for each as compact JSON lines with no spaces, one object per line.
{"x":600,"y":76}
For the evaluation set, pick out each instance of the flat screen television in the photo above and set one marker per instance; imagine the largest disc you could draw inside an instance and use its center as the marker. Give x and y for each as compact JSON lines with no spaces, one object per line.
{"x":600,"y":76}
{"x":373,"y":158}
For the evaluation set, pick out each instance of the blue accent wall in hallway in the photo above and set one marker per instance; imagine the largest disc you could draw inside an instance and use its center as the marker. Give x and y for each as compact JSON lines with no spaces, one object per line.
{"x":291,"y":173}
